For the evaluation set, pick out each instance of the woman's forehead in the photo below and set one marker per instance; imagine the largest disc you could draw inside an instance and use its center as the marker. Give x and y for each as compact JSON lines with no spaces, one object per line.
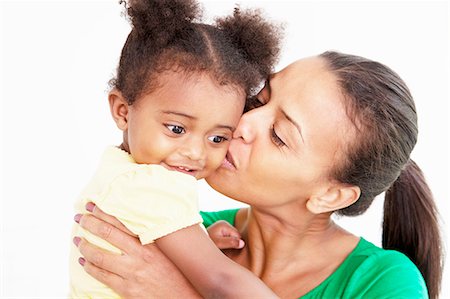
{"x":303,"y":68}
{"x":307,"y":77}
{"x":309,"y":92}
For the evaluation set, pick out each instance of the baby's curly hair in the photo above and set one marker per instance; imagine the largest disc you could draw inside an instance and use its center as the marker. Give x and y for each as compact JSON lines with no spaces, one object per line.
{"x":239,"y":50}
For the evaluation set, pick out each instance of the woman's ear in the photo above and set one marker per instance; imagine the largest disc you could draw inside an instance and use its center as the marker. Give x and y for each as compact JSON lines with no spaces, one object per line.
{"x":337,"y":197}
{"x":119,"y":109}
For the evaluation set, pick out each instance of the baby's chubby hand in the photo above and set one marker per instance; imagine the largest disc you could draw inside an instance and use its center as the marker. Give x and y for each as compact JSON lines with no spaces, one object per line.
{"x":225,"y":236}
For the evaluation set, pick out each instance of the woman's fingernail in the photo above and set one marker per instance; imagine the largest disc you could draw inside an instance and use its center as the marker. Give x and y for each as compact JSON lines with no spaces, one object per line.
{"x":76,"y":241}
{"x":90,"y":206}
{"x":77,"y":218}
{"x":81,"y":261}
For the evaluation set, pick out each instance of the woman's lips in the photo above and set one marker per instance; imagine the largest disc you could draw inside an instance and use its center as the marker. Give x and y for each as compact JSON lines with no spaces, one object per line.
{"x":228,"y":162}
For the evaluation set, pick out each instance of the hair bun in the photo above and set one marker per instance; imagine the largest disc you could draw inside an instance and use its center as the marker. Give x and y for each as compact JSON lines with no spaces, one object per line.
{"x":257,"y":39}
{"x":160,"y":20}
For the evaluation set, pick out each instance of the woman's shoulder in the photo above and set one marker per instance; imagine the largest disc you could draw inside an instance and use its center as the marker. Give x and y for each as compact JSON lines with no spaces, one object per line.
{"x":372,"y":272}
{"x":385,"y":273}
{"x":367,"y":256}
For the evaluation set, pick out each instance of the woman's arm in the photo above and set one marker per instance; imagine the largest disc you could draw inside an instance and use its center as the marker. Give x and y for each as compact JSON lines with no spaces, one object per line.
{"x":140,"y":272}
{"x":212,"y":273}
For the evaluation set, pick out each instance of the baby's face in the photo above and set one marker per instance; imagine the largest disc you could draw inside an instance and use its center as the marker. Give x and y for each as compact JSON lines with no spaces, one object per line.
{"x":184,"y":125}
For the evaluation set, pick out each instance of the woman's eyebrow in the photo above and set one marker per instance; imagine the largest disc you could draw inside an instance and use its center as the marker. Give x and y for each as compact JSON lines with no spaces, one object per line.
{"x":294,"y":123}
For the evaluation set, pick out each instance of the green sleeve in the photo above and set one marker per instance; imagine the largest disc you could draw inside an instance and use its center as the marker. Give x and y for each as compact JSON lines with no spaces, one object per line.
{"x":211,"y":217}
{"x":372,"y":272}
{"x":391,"y":275}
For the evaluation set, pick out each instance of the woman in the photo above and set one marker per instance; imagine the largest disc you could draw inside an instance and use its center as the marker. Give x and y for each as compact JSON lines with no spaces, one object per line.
{"x":332,"y":132}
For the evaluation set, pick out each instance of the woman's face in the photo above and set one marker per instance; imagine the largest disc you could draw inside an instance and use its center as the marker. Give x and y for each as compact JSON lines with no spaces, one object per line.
{"x":283,"y":151}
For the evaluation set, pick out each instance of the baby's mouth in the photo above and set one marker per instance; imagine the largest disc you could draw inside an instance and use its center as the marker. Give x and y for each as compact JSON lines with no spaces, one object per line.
{"x":186,"y":170}
{"x":183,"y":169}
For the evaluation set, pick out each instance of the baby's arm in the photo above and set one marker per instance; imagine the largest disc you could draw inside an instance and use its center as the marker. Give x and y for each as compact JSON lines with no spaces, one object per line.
{"x":212,"y":273}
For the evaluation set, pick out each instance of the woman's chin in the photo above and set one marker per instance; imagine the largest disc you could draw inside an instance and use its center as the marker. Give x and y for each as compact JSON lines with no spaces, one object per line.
{"x":220,"y":180}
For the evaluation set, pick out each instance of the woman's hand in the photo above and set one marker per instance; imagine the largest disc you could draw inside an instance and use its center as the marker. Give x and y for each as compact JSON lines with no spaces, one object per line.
{"x":140,"y":272}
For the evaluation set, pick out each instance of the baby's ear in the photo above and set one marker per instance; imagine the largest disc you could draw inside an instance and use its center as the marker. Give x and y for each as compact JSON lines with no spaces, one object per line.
{"x":336,"y":197}
{"x":119,"y":109}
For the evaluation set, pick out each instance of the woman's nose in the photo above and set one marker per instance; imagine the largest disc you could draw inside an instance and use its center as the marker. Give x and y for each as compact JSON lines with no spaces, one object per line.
{"x":248,"y":124}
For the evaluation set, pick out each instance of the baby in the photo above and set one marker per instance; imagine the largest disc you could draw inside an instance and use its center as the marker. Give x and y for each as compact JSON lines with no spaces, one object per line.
{"x":179,"y":93}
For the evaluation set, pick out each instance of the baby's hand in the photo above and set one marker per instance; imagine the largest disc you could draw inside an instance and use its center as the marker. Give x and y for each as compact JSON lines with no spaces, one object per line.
{"x":225,"y":236}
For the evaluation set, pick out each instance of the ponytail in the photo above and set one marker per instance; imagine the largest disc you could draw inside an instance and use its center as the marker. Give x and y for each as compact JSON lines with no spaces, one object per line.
{"x":410,"y":225}
{"x":382,"y":109}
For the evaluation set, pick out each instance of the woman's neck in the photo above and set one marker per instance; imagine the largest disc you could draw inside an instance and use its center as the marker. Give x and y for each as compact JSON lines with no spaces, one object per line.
{"x":275,"y":240}
{"x":302,"y":249}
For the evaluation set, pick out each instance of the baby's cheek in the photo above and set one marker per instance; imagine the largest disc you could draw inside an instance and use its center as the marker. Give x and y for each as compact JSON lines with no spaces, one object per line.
{"x":215,"y":160}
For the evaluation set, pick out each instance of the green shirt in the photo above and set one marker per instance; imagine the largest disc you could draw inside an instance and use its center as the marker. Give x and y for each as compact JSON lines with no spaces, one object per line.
{"x":367,"y":272}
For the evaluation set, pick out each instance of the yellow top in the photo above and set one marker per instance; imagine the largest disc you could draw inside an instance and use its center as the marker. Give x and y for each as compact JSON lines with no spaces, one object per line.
{"x":149,"y":200}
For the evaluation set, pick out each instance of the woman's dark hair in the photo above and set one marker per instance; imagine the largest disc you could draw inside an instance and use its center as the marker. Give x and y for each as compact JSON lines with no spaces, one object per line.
{"x":237,"y":51}
{"x":382,"y":109}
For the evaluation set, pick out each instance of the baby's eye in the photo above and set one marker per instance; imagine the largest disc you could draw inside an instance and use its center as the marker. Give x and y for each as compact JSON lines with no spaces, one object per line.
{"x":176,"y":129}
{"x":217,"y":139}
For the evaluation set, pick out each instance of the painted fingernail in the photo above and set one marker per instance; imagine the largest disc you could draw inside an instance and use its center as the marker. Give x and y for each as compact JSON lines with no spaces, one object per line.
{"x":77,"y":218}
{"x":76,"y":241}
{"x":90,"y":206}
{"x":81,"y":261}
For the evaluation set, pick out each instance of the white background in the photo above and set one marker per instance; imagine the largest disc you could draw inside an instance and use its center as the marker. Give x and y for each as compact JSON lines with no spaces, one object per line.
{"x":56,"y":60}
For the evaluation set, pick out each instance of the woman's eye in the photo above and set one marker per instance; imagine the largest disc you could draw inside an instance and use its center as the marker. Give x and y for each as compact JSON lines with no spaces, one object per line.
{"x":277,"y":140}
{"x":176,"y":129}
{"x":217,"y":139}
